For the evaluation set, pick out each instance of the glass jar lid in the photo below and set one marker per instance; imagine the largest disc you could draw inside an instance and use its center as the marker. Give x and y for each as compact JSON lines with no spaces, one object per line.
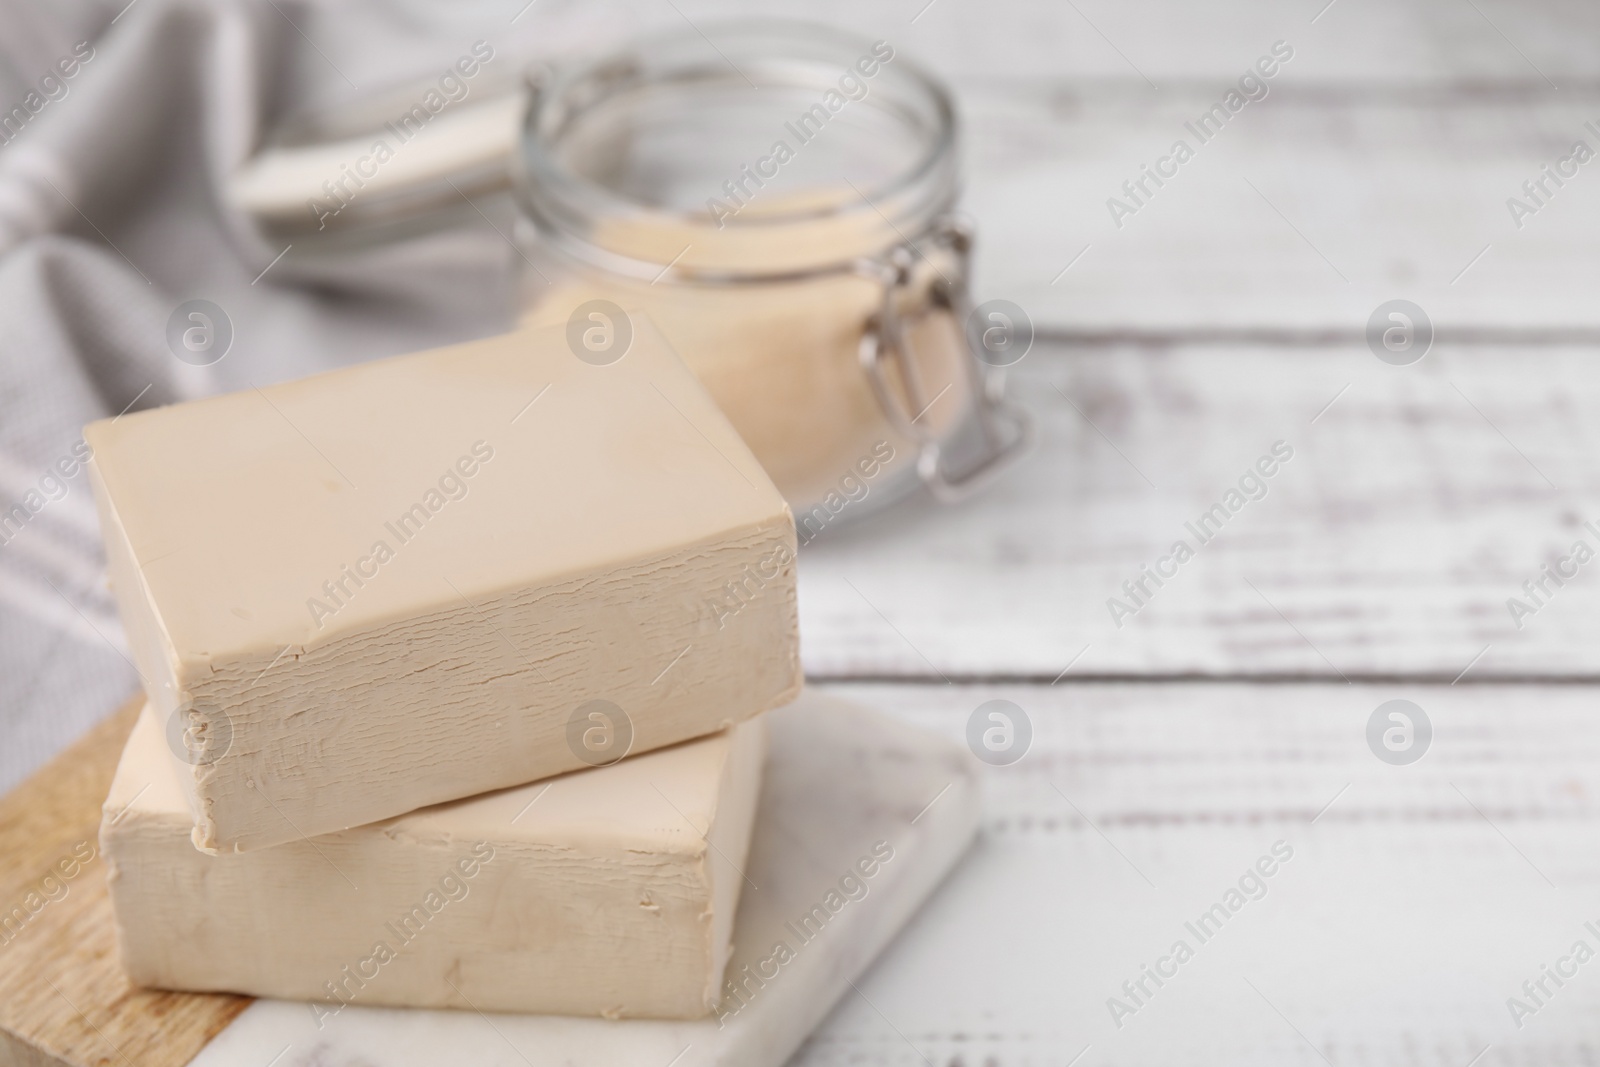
{"x":754,"y":150}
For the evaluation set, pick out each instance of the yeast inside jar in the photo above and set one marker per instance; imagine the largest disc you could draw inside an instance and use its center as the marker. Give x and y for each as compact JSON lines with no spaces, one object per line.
{"x":771,"y":199}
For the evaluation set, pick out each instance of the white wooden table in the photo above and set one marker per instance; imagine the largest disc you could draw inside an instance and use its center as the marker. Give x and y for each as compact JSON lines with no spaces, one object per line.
{"x":1231,"y":712}
{"x":1229,"y":715}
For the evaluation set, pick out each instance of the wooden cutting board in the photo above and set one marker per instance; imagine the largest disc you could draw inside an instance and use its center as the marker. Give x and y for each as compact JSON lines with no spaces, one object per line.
{"x":63,"y":999}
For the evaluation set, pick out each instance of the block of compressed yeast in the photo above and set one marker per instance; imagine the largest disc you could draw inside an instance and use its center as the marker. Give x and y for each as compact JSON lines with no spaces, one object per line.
{"x":861,"y":816}
{"x":609,"y":891}
{"x":431,"y":576}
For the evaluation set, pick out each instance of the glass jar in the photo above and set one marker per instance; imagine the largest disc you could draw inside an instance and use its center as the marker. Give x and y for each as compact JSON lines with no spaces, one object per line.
{"x":777,"y":198}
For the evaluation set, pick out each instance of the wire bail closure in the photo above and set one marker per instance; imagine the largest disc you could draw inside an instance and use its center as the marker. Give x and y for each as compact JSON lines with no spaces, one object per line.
{"x":1006,"y":430}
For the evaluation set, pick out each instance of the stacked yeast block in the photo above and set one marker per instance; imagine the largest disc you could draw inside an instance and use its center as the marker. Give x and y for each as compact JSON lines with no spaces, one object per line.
{"x":430,"y":578}
{"x":401,"y":583}
{"x":606,"y":892}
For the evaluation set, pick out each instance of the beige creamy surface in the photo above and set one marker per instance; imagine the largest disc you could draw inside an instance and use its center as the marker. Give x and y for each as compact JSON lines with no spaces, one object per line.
{"x":393,"y":584}
{"x":782,"y":359}
{"x":608,"y":891}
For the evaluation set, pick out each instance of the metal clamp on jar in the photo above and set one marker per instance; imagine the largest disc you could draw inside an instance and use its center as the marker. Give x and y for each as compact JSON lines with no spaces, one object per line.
{"x":778,"y":200}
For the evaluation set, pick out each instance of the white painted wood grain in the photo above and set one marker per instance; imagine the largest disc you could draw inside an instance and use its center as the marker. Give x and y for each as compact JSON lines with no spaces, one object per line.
{"x":1413,"y":508}
{"x":1418,"y":41}
{"x":1305,"y":212}
{"x":1412,"y":908}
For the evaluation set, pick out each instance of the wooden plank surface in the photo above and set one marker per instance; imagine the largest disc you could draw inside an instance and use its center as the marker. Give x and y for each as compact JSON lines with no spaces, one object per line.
{"x":63,"y":999}
{"x":1304,"y":213}
{"x":1415,"y":506}
{"x":1420,"y":899}
{"x":1169,"y":41}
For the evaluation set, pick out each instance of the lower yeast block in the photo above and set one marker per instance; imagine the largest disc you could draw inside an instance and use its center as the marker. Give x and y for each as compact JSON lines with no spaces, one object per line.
{"x":606,"y":892}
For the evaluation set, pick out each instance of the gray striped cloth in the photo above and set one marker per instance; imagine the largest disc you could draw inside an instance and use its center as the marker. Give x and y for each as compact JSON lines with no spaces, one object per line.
{"x":111,"y":216}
